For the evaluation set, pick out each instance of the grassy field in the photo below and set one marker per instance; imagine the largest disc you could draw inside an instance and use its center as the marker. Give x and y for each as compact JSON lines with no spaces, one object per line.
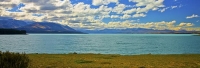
{"x":113,"y":61}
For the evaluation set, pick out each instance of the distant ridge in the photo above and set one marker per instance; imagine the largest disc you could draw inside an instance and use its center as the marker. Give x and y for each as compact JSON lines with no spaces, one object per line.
{"x":48,"y":27}
{"x":139,"y":31}
{"x":35,"y":27}
{"x":51,"y":27}
{"x":12,"y":23}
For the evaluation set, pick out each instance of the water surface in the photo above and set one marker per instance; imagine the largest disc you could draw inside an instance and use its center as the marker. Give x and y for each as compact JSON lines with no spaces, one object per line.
{"x":126,"y":44}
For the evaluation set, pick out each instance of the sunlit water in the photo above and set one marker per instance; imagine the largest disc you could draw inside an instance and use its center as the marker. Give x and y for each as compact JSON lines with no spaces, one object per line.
{"x":126,"y":44}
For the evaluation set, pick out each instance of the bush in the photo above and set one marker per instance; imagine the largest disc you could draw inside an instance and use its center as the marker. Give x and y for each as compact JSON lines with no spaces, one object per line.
{"x":13,"y":60}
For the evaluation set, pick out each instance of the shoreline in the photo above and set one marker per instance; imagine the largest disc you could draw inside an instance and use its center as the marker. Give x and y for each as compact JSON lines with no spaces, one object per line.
{"x":89,"y":60}
{"x":105,"y":54}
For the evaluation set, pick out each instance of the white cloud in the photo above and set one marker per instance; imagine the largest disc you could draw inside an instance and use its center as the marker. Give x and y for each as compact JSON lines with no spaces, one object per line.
{"x":162,"y":10}
{"x":143,"y":6}
{"x":155,"y":9}
{"x":103,"y":2}
{"x":64,"y":10}
{"x":149,"y":25}
{"x":126,"y":16}
{"x":173,"y":7}
{"x":119,"y":8}
{"x":130,"y":6}
{"x":157,"y":3}
{"x":130,"y":11}
{"x":106,"y":16}
{"x":114,"y":16}
{"x":185,"y":24}
{"x":8,"y":4}
{"x":45,"y":5}
{"x":193,"y":16}
{"x":81,"y":15}
{"x":139,"y":15}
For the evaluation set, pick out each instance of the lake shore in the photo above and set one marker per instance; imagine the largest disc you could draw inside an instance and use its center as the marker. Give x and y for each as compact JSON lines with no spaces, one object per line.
{"x":113,"y":61}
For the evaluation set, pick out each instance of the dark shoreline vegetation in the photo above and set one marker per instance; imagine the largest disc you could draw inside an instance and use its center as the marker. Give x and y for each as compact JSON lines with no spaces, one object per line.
{"x":13,"y":60}
{"x":4,"y":31}
{"x":11,"y":31}
{"x":90,"y":60}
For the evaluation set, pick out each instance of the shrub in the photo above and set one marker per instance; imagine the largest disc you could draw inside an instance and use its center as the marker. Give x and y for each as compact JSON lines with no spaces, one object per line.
{"x":13,"y":60}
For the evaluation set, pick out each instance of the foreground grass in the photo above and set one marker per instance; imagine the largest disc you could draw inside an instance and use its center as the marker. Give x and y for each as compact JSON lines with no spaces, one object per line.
{"x":113,"y":61}
{"x":13,"y":60}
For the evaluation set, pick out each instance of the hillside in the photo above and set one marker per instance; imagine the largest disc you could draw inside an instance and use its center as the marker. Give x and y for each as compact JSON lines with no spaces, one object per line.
{"x":51,"y":27}
{"x":35,"y":27}
{"x":48,"y":27}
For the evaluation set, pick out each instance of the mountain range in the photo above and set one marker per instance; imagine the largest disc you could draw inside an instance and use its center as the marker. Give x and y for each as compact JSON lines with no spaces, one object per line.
{"x":36,"y":27}
{"x":51,"y":27}
{"x":138,"y":31}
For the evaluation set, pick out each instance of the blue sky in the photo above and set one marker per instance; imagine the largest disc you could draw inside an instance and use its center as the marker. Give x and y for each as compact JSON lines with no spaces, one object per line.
{"x":113,"y":14}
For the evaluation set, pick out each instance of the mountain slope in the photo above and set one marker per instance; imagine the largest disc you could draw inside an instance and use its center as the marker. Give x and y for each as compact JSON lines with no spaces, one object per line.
{"x":48,"y":27}
{"x":35,"y":27}
{"x":12,"y":23}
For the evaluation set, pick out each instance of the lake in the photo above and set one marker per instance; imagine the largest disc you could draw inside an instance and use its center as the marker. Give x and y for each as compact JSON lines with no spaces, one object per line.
{"x":125,"y":44}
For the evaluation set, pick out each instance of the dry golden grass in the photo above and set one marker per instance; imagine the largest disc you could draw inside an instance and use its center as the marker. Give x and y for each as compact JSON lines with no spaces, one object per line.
{"x":113,"y":61}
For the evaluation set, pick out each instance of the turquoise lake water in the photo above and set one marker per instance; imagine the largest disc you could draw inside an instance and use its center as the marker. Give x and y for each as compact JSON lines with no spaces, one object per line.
{"x":125,"y":44}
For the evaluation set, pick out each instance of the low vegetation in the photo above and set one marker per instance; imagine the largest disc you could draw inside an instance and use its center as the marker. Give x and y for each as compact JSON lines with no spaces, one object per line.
{"x":83,"y":61}
{"x":11,"y":31}
{"x":13,"y":60}
{"x":74,"y":60}
{"x":114,"y":61}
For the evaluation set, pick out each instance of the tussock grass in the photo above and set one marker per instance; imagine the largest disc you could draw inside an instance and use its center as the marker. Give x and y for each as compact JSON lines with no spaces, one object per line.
{"x":13,"y":60}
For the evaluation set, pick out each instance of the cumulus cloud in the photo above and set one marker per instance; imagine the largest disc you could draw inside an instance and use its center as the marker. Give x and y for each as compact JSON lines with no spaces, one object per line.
{"x":163,"y":25}
{"x":126,"y":16}
{"x":52,"y":10}
{"x":103,"y":2}
{"x":130,"y":11}
{"x":119,"y":8}
{"x":82,"y":15}
{"x":44,"y":6}
{"x":185,"y":24}
{"x":139,"y":15}
{"x":157,"y":3}
{"x":8,"y":4}
{"x":143,"y":6}
{"x":193,"y":16}
{"x":114,"y":16}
